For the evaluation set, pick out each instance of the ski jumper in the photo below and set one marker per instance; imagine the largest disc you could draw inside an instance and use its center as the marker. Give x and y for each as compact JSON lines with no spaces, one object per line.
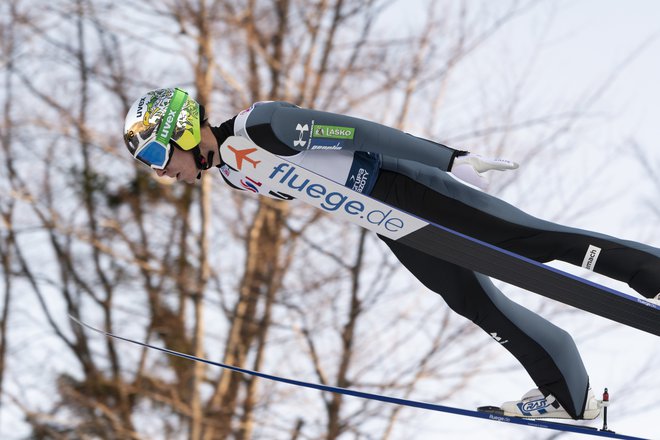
{"x":412,"y":174}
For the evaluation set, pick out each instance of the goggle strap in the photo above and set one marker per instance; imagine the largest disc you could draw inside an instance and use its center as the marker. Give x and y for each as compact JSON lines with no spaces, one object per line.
{"x":171,"y":116}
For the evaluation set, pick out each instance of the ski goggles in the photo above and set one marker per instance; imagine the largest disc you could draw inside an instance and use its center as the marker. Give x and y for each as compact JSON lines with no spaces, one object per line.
{"x":156,"y":151}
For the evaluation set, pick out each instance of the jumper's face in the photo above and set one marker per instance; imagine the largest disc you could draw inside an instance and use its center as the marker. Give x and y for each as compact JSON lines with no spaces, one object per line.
{"x":181,"y":166}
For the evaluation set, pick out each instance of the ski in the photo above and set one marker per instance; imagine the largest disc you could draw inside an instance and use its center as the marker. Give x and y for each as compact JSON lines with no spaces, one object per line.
{"x":294,"y":181}
{"x":566,"y":427}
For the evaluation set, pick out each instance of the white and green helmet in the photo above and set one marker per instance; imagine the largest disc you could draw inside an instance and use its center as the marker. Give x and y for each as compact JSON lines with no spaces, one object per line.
{"x":159,"y":119}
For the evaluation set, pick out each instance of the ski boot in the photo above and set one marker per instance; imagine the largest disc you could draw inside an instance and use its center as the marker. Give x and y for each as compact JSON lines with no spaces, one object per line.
{"x":535,"y":405}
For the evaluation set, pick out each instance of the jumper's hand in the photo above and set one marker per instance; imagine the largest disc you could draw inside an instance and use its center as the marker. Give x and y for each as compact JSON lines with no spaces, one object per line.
{"x":481,"y":164}
{"x":468,"y":167}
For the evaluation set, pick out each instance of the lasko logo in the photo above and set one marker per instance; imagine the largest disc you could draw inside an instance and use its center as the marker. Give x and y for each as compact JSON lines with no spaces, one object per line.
{"x":333,"y":132}
{"x":333,"y":200}
{"x":243,"y":154}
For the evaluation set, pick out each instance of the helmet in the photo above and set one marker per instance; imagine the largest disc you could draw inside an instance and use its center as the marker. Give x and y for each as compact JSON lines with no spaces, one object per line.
{"x":159,"y":118}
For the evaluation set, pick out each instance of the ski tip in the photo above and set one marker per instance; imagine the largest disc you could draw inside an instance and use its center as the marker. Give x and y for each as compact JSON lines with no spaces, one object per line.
{"x":76,"y":320}
{"x":84,"y":325}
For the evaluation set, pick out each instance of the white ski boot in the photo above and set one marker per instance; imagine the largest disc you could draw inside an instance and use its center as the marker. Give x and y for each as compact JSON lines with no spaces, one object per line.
{"x":535,"y":405}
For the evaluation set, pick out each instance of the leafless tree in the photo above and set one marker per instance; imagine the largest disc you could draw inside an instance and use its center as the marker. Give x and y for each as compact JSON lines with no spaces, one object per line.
{"x":260,"y":284}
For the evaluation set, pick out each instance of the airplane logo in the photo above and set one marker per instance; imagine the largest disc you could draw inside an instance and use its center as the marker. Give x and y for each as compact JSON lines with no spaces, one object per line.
{"x":243,"y":154}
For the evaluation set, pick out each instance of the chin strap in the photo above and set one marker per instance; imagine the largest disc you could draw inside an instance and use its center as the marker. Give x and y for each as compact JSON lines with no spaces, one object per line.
{"x":203,"y":163}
